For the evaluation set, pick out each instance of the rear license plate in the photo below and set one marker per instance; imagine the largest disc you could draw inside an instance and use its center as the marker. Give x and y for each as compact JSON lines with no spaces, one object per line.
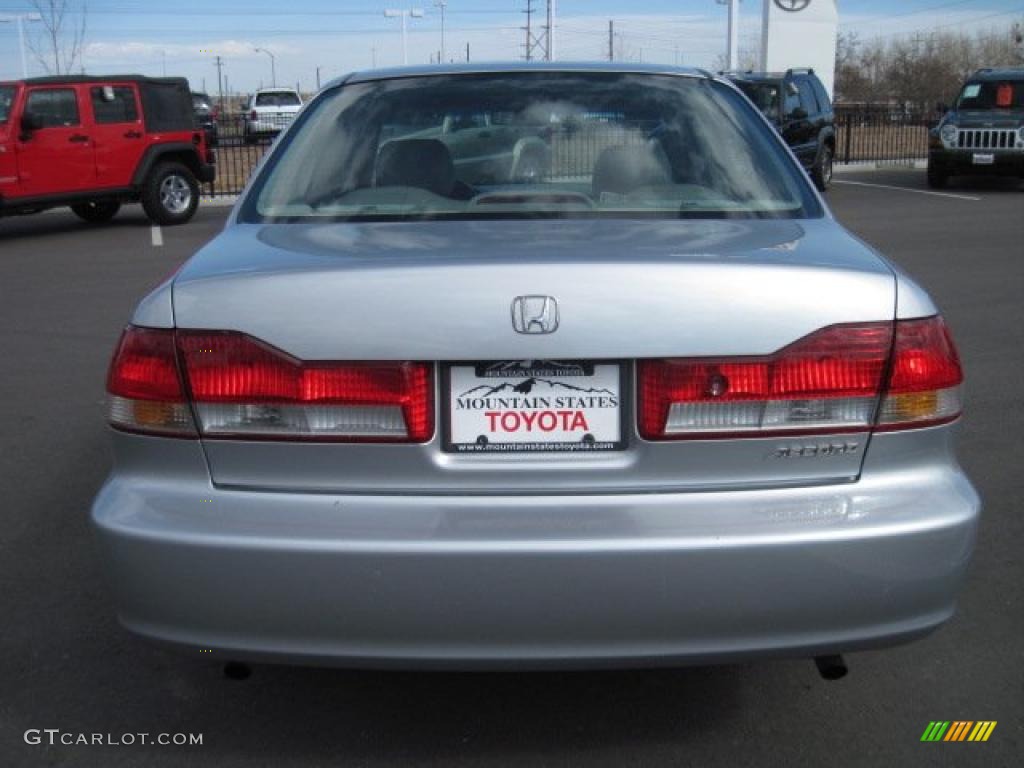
{"x":984,"y":158}
{"x":534,"y":405}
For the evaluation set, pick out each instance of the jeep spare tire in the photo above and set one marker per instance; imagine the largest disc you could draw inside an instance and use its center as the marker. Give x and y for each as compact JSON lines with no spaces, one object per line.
{"x":96,"y":211}
{"x":170,"y":194}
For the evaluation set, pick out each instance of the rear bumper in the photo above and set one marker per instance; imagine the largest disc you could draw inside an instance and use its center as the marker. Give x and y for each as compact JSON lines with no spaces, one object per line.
{"x":490,"y":581}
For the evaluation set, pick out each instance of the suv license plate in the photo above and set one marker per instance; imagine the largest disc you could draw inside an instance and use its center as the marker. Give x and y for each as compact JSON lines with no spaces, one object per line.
{"x":984,"y":158}
{"x":521,"y":406}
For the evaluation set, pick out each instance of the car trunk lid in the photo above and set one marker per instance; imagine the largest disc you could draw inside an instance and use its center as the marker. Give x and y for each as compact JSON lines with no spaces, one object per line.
{"x":443,"y":292}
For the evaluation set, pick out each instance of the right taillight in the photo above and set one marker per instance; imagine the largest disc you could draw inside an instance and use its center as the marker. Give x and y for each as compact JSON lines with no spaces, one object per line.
{"x":843,"y":378}
{"x":924,"y":377}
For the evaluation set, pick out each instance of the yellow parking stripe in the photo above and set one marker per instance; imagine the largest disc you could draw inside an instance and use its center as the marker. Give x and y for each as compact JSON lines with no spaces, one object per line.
{"x":988,"y":731}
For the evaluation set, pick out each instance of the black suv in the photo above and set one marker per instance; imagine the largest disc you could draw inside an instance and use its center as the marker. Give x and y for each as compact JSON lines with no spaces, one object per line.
{"x":983,"y":133}
{"x":798,"y":106}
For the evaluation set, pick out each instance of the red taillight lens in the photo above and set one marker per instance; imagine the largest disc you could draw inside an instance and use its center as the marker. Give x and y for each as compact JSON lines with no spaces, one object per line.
{"x":243,"y":387}
{"x":828,"y":382}
{"x":925,"y":379}
{"x":145,"y":387}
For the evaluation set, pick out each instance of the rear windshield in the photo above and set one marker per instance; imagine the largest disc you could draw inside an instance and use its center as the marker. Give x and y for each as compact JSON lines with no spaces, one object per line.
{"x":764,"y":95}
{"x":569,"y":145}
{"x":6,"y":102}
{"x":281,"y":99}
{"x":201,"y":103}
{"x":1007,"y":94}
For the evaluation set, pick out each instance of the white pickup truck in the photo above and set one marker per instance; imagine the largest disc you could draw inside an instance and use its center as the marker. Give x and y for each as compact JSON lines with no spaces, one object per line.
{"x":270,"y":111}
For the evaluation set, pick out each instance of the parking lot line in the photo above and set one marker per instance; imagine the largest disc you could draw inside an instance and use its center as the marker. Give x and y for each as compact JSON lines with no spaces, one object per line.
{"x":158,"y":236}
{"x":907,"y":189}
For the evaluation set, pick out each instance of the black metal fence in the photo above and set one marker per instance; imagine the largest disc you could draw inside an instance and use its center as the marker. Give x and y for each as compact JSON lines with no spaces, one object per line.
{"x":881,"y":134}
{"x":864,"y":134}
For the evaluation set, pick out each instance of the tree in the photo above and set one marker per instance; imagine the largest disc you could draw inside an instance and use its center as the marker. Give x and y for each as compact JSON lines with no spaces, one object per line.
{"x":58,"y":46}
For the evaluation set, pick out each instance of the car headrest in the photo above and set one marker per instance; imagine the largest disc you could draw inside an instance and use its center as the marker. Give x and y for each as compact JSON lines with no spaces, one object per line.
{"x":422,"y":163}
{"x":624,"y":168}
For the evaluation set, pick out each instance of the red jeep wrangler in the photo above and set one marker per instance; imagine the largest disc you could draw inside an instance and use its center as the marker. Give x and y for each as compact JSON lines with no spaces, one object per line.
{"x":96,"y":142}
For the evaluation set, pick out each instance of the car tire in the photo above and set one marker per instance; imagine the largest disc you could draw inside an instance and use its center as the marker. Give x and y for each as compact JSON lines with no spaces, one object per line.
{"x":936,"y":179}
{"x":170,"y":194}
{"x":821,"y":171}
{"x":96,"y":211}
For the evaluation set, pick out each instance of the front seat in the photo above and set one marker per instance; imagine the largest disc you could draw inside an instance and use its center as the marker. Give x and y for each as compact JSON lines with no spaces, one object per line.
{"x":622,"y":169}
{"x":421,"y":163}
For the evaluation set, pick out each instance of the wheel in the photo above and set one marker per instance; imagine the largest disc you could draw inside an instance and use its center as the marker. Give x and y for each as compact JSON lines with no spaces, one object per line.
{"x":170,"y":194}
{"x":821,"y":171}
{"x":936,"y":178}
{"x":97,"y":211}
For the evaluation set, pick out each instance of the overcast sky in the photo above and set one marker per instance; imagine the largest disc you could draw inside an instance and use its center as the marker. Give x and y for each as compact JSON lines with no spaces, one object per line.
{"x":342,"y":35}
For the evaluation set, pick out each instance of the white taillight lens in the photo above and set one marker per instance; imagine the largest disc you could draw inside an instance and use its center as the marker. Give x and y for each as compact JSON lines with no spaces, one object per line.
{"x":144,"y":385}
{"x":243,"y":387}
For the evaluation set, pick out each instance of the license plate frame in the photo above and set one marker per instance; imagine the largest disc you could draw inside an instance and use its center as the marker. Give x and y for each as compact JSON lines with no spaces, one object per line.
{"x":448,"y":402}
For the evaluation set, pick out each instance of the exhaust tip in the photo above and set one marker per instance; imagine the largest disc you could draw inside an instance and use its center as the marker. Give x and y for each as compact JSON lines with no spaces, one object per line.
{"x":236,"y":670}
{"x":831,"y":667}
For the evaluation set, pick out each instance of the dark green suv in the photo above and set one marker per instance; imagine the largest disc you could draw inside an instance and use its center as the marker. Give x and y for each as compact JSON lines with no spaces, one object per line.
{"x":983,"y":132}
{"x":798,"y":105}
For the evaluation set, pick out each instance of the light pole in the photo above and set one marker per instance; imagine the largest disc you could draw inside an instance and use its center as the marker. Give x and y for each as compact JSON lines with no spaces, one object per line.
{"x":20,"y":19}
{"x":273,"y":66}
{"x":416,"y":13}
{"x":732,"y":52}
{"x":442,"y":4}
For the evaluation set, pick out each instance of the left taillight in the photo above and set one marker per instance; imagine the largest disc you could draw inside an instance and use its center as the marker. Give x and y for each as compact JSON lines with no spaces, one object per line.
{"x":145,"y":385}
{"x":240,"y":387}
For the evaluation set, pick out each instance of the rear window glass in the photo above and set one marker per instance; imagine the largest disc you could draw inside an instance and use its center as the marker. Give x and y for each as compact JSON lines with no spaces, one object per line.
{"x":58,"y":107}
{"x":6,"y":102}
{"x":278,"y":99}
{"x":764,"y":95}
{"x":1008,"y":94}
{"x":528,"y":145}
{"x":121,"y":108}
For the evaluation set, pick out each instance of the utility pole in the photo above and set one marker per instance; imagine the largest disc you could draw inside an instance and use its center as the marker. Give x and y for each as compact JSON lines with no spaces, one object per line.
{"x":318,"y":78}
{"x":611,"y":40}
{"x":219,"y":63}
{"x":467,"y":51}
{"x":528,"y":46}
{"x":373,"y":56}
{"x":19,"y":19}
{"x":539,"y":44}
{"x":442,"y":4}
{"x":551,"y":31}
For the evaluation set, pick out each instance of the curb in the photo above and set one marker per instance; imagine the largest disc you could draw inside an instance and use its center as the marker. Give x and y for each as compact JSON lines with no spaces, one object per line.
{"x":881,"y":165}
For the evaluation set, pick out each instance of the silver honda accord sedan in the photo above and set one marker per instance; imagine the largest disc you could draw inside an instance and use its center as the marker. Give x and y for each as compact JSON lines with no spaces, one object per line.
{"x":560,"y":365}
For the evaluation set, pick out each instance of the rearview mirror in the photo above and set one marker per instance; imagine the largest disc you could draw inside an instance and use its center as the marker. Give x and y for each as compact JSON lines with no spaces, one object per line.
{"x":31,"y":121}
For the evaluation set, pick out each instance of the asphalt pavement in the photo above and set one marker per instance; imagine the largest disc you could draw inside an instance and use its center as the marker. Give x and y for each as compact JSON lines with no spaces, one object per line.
{"x":66,"y":289}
